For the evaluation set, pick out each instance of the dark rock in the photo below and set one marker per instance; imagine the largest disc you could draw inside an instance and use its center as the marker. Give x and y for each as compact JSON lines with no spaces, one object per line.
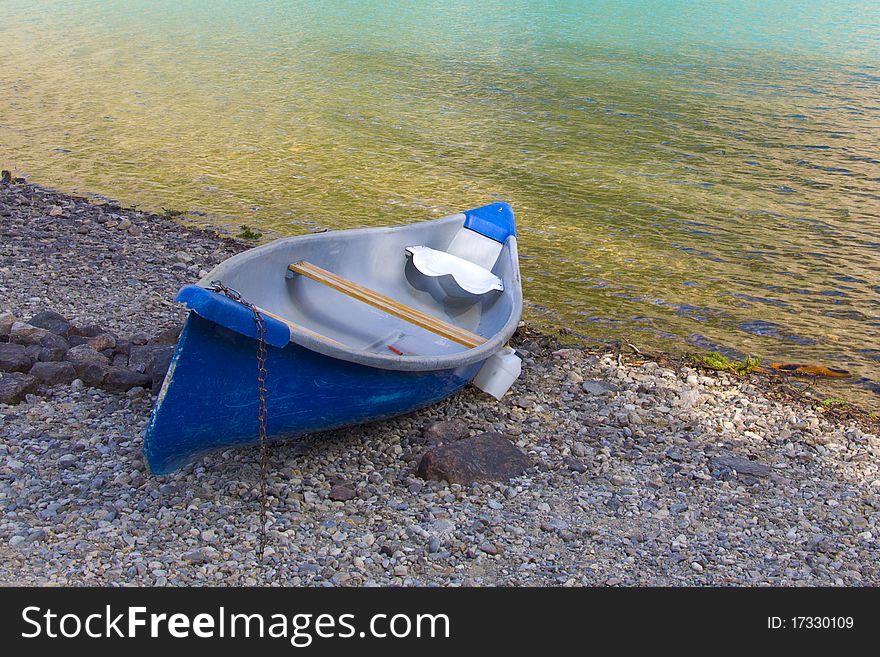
{"x":598,"y":387}
{"x":51,"y":321}
{"x":168,"y":337}
{"x":26,"y":334}
{"x":199,"y":555}
{"x":487,"y":457}
{"x":144,"y":358}
{"x":14,"y":358}
{"x":33,"y":351}
{"x":90,"y":366}
{"x":7,"y":319}
{"x":76,"y":340}
{"x":49,"y":355}
{"x":14,"y":386}
{"x":54,"y":373}
{"x":122,"y":347}
{"x":160,"y":368}
{"x":673,"y":454}
{"x":574,"y":465}
{"x":121,"y":379}
{"x":446,"y":431}
{"x":102,"y":342}
{"x":140,"y":338}
{"x":750,"y":469}
{"x":92,"y":330}
{"x":83,"y":355}
{"x":119,"y":360}
{"x":342,"y":493}
{"x":53,"y":341}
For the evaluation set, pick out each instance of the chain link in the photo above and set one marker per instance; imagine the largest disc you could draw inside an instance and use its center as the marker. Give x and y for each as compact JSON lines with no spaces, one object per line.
{"x":260,"y":324}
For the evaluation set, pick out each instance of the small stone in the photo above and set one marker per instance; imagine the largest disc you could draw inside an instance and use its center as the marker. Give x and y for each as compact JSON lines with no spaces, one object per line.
{"x":741,"y":465}
{"x":487,"y":457}
{"x":135,"y":393}
{"x":67,"y":461}
{"x":574,"y":464}
{"x":342,"y":493}
{"x":400,"y":571}
{"x":199,"y":555}
{"x":598,"y":388}
{"x":56,"y":211}
{"x":125,"y":224}
{"x":489,"y":548}
{"x":434,"y":545}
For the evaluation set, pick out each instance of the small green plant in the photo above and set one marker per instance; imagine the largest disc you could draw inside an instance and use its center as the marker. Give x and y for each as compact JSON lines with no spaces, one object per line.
{"x":722,"y":363}
{"x":834,"y":401}
{"x":171,"y":214}
{"x":248,"y":234}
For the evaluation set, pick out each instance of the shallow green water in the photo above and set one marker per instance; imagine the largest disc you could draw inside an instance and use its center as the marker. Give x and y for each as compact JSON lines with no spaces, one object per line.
{"x":683,"y":172}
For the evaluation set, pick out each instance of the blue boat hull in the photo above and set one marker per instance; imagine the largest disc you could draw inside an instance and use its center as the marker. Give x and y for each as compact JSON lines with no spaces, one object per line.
{"x":210,"y":400}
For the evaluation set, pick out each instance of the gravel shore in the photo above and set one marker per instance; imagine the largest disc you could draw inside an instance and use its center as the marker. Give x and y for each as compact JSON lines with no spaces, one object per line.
{"x":644,"y":471}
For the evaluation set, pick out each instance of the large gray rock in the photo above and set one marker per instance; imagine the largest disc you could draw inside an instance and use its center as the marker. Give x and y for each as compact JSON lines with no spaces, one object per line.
{"x":14,"y":358}
{"x":487,"y":457}
{"x":14,"y":386}
{"x":121,"y":379}
{"x":51,"y":321}
{"x":54,"y":373}
{"x":22,"y":333}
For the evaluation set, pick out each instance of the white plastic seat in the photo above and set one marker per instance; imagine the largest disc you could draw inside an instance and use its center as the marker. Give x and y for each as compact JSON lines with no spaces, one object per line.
{"x":464,"y":268}
{"x":469,"y":276}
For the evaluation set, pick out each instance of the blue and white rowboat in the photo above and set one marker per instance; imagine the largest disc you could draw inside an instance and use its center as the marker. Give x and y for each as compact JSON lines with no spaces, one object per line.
{"x":361,"y":325}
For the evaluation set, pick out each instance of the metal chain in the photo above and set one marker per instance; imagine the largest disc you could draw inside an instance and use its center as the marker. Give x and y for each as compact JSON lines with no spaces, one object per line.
{"x":260,"y":323}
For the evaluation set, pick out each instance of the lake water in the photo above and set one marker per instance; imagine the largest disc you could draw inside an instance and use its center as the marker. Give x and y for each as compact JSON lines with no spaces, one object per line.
{"x":684,"y":173}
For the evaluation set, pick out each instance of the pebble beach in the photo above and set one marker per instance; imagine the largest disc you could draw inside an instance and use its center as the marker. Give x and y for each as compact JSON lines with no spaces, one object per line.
{"x":637,"y":469}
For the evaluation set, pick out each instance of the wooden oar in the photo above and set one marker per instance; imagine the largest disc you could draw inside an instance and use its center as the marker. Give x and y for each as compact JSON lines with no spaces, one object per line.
{"x":388,"y":305}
